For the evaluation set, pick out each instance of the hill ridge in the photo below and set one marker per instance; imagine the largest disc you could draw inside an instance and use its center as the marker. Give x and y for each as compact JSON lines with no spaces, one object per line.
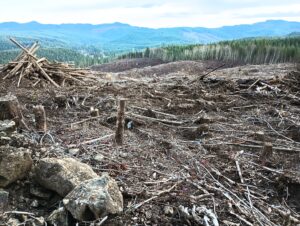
{"x":123,"y":37}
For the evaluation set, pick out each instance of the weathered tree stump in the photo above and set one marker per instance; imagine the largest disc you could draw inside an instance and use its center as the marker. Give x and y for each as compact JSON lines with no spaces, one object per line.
{"x":259,"y":135}
{"x":94,"y":112}
{"x":194,"y":133}
{"x":40,"y":118}
{"x":120,"y":123}
{"x":266,"y":153}
{"x":10,"y":110}
{"x":61,"y":100}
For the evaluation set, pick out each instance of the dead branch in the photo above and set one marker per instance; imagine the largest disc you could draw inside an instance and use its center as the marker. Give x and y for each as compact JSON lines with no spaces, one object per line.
{"x":203,"y":76}
{"x":168,"y":122}
{"x":155,"y":196}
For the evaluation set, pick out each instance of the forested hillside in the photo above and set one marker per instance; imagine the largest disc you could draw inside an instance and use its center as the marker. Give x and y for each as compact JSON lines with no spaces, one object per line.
{"x":118,"y":37}
{"x":55,"y":50}
{"x":252,"y":51}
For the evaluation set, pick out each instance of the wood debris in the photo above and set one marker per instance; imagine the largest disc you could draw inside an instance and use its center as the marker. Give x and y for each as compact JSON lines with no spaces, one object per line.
{"x":39,"y":70}
{"x":218,"y":151}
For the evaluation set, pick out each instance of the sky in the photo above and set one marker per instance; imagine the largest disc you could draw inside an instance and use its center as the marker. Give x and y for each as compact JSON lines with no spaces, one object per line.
{"x":150,"y":13}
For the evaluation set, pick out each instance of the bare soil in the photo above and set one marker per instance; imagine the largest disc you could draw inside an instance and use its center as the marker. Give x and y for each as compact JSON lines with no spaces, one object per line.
{"x":188,"y":142}
{"x":126,"y":64}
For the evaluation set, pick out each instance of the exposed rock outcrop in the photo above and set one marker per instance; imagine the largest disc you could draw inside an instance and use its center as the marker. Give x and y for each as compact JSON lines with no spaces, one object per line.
{"x":15,"y":163}
{"x":94,"y":198}
{"x":59,"y":217}
{"x":62,"y":175}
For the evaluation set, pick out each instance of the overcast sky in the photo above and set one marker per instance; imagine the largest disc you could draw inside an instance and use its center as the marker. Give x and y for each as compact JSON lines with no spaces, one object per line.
{"x":150,"y":13}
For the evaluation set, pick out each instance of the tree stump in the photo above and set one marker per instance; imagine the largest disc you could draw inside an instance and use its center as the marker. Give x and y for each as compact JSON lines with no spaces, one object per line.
{"x":10,"y":110}
{"x":120,"y":123}
{"x":94,"y":112}
{"x":259,"y":135}
{"x":266,"y":153}
{"x":61,"y":100}
{"x":40,"y":118}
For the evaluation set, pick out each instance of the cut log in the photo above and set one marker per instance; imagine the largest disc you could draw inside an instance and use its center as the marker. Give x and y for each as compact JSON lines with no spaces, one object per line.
{"x":23,"y":48}
{"x":40,"y":118}
{"x":10,"y":110}
{"x":45,"y":74}
{"x":119,"y":137}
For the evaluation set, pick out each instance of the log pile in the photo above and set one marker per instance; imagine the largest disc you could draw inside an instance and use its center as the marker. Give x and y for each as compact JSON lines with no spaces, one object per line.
{"x":28,"y":65}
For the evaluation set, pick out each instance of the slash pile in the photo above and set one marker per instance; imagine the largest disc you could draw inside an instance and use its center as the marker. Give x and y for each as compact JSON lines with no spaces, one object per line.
{"x":28,"y":65}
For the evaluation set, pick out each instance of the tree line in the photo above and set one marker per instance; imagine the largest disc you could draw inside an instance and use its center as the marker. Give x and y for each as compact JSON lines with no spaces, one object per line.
{"x":246,"y":51}
{"x":79,"y":58}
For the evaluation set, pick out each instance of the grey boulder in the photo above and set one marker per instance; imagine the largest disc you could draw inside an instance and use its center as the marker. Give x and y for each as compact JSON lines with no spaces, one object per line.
{"x":7,"y":126}
{"x":59,"y":217}
{"x":94,"y":198}
{"x":15,"y":163}
{"x":62,"y":175}
{"x":3,"y":200}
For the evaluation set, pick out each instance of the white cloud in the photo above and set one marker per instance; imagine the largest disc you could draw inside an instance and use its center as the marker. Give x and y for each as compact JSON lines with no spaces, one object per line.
{"x":150,"y":13}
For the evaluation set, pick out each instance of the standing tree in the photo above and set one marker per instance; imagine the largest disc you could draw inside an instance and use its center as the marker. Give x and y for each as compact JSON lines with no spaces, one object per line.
{"x":147,"y":53}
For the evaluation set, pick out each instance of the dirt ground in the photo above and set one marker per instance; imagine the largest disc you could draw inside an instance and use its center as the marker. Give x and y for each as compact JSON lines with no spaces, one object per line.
{"x":126,"y":64}
{"x":189,"y":142}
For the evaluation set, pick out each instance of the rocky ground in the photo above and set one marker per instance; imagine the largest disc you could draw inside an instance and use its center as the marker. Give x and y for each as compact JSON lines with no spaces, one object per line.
{"x":201,"y":147}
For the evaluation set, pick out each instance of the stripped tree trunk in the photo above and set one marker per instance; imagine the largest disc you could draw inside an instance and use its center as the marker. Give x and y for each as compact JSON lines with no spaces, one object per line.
{"x":40,"y":118}
{"x":266,"y":153}
{"x":120,"y":123}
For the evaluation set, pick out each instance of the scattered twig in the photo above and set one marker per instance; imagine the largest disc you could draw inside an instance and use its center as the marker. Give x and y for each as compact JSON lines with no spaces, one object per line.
{"x":155,"y":196}
{"x":96,"y":139}
{"x":203,"y":76}
{"x":178,"y":123}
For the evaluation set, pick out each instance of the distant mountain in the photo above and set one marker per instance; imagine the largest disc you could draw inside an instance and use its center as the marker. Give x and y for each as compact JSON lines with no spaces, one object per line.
{"x":294,"y":34}
{"x":123,"y":37}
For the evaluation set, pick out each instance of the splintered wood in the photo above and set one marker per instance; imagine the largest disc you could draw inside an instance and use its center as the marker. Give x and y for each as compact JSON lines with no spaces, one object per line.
{"x":27,"y":65}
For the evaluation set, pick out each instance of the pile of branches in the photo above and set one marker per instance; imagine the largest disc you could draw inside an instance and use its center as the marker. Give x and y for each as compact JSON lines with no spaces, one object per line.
{"x":28,"y":65}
